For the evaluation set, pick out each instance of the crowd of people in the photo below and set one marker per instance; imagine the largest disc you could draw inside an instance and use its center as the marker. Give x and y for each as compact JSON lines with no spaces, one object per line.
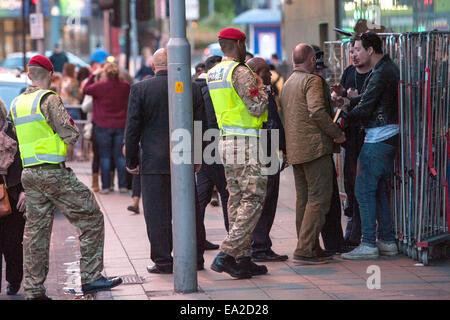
{"x":237,"y":94}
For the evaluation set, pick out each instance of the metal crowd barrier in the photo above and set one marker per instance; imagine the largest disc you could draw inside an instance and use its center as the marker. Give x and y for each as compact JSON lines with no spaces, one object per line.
{"x":420,"y":195}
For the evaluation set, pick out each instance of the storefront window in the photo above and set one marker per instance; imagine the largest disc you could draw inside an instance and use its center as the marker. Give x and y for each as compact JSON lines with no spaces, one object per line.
{"x":397,"y":15}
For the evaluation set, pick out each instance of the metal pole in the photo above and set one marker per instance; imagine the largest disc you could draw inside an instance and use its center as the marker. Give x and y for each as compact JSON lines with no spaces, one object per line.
{"x":134,"y":32}
{"x":182,"y":174}
{"x":40,"y":42}
{"x":24,"y":37}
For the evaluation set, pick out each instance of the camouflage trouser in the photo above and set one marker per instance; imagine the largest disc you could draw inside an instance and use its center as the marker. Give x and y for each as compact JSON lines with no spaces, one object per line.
{"x":59,"y":188}
{"x":247,"y":188}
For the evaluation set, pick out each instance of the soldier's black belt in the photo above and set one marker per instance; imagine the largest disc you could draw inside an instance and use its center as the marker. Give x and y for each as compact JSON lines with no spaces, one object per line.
{"x":49,"y":166}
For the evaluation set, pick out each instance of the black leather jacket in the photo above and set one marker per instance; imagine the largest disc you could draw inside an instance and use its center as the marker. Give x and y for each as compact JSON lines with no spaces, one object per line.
{"x":378,"y":105}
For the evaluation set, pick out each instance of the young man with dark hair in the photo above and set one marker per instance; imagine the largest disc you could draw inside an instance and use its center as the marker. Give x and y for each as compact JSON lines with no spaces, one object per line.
{"x":377,"y":109}
{"x":351,"y":86}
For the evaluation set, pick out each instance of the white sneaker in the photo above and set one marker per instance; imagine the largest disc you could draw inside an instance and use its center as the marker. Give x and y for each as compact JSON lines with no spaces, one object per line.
{"x":387,"y":248}
{"x":362,"y":252}
{"x":104,"y":191}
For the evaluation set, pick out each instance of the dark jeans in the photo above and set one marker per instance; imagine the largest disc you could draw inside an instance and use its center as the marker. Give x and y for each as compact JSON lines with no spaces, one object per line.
{"x":110,"y":146}
{"x":156,"y":199}
{"x":332,"y":235}
{"x":260,"y":237}
{"x":208,"y":177}
{"x":375,"y":166}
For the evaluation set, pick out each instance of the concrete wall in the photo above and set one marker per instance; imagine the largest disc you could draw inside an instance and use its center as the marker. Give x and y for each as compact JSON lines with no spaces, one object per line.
{"x":301,"y":22}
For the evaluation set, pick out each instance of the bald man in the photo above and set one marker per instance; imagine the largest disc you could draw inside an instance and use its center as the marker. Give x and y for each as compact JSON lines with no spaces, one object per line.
{"x":148,"y":125}
{"x":310,"y":133}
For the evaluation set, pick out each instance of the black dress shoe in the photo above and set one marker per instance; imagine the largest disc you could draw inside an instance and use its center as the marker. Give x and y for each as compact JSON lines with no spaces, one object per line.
{"x":251,"y":267}
{"x":211,"y":246}
{"x":226,"y":263}
{"x":43,"y":297}
{"x":12,"y":289}
{"x":101,"y":284}
{"x":268,"y":256}
{"x":160,"y":269}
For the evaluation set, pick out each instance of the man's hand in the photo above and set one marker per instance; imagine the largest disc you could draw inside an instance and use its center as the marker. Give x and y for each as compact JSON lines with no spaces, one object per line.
{"x":21,"y":203}
{"x":342,"y":103}
{"x":341,"y":139}
{"x":124,"y":151}
{"x":134,"y":171}
{"x":338,"y":88}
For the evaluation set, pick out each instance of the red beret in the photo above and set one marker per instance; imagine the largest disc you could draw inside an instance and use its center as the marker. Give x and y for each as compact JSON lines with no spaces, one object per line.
{"x":41,"y":61}
{"x":232,"y":33}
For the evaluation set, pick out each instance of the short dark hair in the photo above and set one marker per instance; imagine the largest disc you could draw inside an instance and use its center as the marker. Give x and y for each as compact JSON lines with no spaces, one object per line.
{"x":199,"y":67}
{"x":212,"y":61}
{"x":371,"y":39}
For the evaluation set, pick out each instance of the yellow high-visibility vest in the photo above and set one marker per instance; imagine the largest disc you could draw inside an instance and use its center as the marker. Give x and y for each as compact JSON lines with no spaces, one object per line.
{"x":38,"y":143}
{"x":231,"y":112}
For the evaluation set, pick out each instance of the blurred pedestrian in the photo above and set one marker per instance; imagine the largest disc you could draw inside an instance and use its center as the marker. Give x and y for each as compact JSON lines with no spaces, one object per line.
{"x":12,"y":225}
{"x":310,"y":132}
{"x":210,"y":175}
{"x":199,"y":69}
{"x":261,"y":242}
{"x":40,"y":119}
{"x":58,"y":58}
{"x":69,"y":90}
{"x":99,"y":55}
{"x":240,"y":104}
{"x":377,"y":109}
{"x":146,"y":69}
{"x":136,"y":188}
{"x":109,"y":113}
{"x":56,"y":82}
{"x":148,"y":127}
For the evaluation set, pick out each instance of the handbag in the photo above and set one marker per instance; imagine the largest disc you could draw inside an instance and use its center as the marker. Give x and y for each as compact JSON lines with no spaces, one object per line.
{"x":5,"y":206}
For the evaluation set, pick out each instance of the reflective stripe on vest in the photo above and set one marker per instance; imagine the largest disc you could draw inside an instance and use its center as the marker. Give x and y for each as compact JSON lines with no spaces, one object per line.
{"x":226,"y":130}
{"x":38,"y":143}
{"x":231,"y":113}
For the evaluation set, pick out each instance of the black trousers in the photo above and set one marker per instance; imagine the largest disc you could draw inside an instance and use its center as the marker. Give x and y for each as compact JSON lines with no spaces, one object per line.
{"x":136,"y":186}
{"x":208,"y":177}
{"x":11,"y":236}
{"x":353,"y":147}
{"x":157,"y":202}
{"x":260,"y":237}
{"x":332,"y":234}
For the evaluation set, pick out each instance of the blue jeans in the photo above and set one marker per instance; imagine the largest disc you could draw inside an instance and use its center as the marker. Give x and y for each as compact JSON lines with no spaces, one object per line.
{"x":375,"y":167}
{"x":110,"y":143}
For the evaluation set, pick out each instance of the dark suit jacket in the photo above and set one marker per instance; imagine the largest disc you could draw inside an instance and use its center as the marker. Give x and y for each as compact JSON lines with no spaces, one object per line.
{"x":148,"y":124}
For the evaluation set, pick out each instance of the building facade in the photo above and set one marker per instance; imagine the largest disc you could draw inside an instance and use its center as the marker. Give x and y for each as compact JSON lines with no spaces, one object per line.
{"x":313,"y":21}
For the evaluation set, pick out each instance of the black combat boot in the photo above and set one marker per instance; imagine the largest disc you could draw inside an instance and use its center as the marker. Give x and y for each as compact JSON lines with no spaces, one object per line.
{"x":101,"y":284}
{"x":224,"y":262}
{"x":251,"y":267}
